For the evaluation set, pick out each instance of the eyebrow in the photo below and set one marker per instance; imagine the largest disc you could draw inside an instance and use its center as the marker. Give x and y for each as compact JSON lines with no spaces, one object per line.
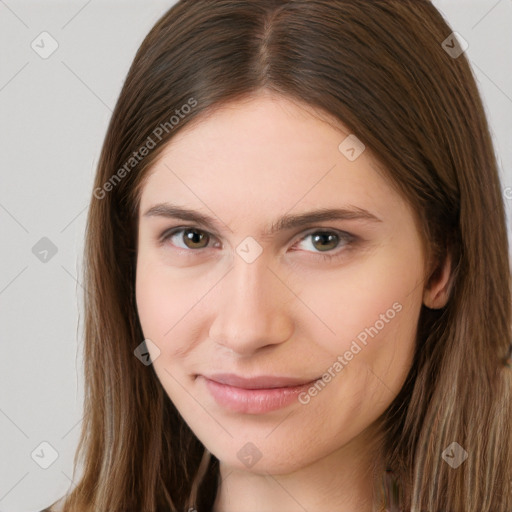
{"x":286,"y":222}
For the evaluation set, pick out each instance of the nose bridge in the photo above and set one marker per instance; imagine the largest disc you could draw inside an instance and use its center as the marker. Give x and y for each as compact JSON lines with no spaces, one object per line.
{"x":252,"y":309}
{"x":251,"y":275}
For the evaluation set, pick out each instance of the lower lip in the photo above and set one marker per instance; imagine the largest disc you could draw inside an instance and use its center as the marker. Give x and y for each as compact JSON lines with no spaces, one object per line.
{"x":253,"y":401}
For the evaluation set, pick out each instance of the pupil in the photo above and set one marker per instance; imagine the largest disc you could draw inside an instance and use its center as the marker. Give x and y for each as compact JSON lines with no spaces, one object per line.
{"x":325,"y":237}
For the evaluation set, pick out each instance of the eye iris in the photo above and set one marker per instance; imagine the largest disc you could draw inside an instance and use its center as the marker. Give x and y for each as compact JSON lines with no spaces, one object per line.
{"x":193,"y":236}
{"x":330,"y":238}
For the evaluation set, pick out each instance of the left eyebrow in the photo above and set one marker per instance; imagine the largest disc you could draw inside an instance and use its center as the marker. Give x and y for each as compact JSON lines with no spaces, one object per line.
{"x":285,"y":223}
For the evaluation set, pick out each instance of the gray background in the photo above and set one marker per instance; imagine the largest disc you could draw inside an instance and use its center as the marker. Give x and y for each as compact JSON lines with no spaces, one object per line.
{"x":54,"y":113}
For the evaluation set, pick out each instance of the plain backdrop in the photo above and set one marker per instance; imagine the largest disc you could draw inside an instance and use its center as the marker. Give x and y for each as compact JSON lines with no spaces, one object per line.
{"x":54,"y":111}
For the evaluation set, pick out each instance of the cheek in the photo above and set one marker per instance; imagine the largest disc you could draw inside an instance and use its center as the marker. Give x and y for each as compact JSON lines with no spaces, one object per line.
{"x":382,"y":294}
{"x":161,"y":301}
{"x":373,"y":310}
{"x":170,"y":302}
{"x":152,"y":302}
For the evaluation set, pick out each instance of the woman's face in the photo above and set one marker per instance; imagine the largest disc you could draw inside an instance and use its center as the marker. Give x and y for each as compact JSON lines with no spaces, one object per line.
{"x":272,"y":290}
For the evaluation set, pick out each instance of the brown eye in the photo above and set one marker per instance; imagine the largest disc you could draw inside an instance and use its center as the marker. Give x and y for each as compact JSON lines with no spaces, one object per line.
{"x":195,"y":239}
{"x":327,"y":244}
{"x":326,"y":241}
{"x":188,"y":238}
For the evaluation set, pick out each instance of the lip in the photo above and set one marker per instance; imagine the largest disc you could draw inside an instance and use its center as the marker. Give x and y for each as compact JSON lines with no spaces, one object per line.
{"x":255,"y":395}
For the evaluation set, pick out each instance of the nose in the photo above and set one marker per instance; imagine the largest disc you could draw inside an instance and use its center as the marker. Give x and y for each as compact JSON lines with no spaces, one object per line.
{"x":253,"y":308}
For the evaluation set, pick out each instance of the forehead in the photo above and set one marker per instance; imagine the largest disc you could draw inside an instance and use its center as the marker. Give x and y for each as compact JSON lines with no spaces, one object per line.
{"x":264,"y":154}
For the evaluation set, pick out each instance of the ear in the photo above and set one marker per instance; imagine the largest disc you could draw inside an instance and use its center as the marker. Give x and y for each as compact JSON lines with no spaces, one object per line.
{"x":437,"y":291}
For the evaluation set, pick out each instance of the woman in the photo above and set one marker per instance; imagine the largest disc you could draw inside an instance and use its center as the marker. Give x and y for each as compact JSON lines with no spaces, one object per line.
{"x":298,"y":287}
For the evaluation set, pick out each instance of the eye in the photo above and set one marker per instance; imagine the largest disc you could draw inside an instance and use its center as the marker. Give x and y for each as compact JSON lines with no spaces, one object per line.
{"x":189,"y":238}
{"x":322,"y":241}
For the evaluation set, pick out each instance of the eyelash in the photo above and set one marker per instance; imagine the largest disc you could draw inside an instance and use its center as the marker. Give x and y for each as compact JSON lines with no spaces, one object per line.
{"x":343,"y":237}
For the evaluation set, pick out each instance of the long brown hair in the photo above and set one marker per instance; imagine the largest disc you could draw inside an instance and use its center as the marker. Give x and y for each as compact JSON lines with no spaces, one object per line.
{"x":383,"y":68}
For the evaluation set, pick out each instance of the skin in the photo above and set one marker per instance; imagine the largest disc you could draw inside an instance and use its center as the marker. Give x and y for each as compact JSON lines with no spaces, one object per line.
{"x":289,"y":312}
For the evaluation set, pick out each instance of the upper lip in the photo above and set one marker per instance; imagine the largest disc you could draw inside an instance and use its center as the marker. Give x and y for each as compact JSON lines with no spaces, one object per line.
{"x":258,"y":382}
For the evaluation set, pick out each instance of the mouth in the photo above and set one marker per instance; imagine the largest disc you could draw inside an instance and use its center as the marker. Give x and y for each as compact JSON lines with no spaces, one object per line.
{"x":255,"y":395}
